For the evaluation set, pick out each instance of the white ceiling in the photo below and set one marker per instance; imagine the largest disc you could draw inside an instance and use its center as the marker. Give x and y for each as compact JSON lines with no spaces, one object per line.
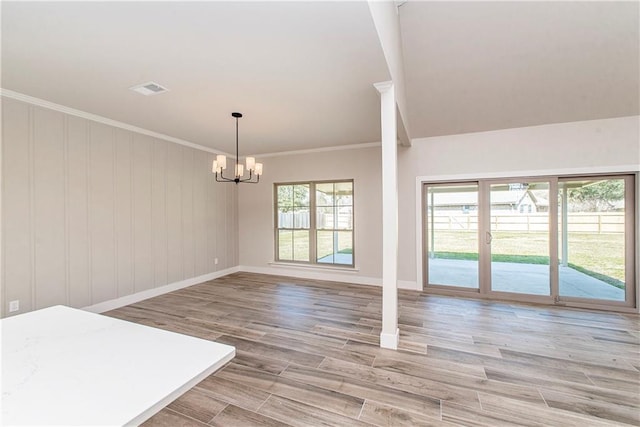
{"x":476,"y":66}
{"x":302,"y":72}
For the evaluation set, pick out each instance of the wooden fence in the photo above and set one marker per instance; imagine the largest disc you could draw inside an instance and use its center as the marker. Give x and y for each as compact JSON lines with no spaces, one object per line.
{"x":535,"y":222}
{"x":323,"y":220}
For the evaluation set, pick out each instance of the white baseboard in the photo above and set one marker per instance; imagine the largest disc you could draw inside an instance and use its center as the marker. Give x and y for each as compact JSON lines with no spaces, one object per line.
{"x":150,"y":293}
{"x":390,"y":340}
{"x":304,"y":273}
{"x":275,"y":270}
{"x":409,"y":285}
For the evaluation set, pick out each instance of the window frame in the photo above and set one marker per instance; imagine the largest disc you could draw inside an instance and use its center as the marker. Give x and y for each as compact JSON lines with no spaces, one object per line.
{"x":313,"y":230}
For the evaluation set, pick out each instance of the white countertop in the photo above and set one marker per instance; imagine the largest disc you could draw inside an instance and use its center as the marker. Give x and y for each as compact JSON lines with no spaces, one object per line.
{"x":63,"y":366}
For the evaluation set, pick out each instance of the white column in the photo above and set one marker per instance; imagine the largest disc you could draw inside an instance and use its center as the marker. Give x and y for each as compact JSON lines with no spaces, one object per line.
{"x":390,"y":333}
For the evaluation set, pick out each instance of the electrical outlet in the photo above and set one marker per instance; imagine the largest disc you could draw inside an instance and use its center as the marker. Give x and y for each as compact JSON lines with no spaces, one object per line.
{"x":14,"y":306}
{"x":215,"y":261}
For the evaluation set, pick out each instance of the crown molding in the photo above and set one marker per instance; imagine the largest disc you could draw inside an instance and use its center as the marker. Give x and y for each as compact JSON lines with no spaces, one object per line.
{"x":321,"y":150}
{"x":96,"y":118}
{"x":100,"y":119}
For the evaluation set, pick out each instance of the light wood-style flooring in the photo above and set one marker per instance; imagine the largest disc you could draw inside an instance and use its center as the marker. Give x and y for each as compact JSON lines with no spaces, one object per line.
{"x":308,"y":355}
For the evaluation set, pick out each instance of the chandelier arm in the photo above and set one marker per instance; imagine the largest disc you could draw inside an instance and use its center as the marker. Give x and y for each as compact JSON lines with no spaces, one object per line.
{"x":223,"y":178}
{"x":249,"y":180}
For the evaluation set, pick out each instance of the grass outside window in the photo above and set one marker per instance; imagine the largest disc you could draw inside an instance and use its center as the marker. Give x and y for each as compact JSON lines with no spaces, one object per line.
{"x":314,"y":222}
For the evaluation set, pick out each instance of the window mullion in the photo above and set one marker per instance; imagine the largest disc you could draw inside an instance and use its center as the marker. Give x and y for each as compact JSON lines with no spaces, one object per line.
{"x":312,"y":223}
{"x":335,"y":224}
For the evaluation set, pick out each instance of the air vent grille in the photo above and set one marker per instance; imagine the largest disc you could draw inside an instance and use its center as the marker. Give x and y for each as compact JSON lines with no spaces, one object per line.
{"x":149,"y":88}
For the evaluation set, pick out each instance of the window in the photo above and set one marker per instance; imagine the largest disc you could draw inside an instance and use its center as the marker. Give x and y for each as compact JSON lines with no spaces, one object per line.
{"x":314,"y":222}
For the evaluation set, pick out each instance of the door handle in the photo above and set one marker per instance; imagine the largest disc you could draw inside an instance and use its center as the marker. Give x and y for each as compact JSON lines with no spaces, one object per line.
{"x":488,"y":238}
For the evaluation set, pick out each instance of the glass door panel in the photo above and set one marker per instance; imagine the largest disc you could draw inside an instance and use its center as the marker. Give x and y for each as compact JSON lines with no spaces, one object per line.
{"x":591,"y":238}
{"x":334,"y":223}
{"x":518,"y":237}
{"x":452,"y":235}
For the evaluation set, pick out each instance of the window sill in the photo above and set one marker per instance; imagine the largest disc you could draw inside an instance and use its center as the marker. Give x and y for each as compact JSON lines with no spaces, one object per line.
{"x":314,"y":267}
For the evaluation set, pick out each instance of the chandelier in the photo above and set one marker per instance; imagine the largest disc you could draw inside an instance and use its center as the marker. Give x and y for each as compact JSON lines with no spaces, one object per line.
{"x":220,"y":164}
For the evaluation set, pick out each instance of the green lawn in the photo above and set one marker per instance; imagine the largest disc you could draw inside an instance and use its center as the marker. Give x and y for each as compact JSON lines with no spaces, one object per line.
{"x":294,"y":245}
{"x":598,"y":255}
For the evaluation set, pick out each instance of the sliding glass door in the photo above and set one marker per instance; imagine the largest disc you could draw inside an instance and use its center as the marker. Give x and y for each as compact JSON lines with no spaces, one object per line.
{"x":518,"y":237}
{"x":452,"y":235}
{"x":568,"y":240}
{"x":595,"y":238}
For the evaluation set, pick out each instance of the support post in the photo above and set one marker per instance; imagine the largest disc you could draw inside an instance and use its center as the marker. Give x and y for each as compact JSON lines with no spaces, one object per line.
{"x":390,"y":334}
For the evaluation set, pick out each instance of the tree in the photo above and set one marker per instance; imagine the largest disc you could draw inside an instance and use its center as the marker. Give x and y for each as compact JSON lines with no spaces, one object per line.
{"x":292,"y":195}
{"x":601,"y":196}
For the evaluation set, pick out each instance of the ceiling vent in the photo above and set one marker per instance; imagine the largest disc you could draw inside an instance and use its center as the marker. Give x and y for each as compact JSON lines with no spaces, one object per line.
{"x":149,"y":88}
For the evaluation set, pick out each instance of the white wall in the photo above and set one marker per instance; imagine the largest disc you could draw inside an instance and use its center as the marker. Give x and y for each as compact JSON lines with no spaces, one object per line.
{"x":587,"y":146}
{"x":91,"y":212}
{"x":591,"y":145}
{"x":256,"y":205}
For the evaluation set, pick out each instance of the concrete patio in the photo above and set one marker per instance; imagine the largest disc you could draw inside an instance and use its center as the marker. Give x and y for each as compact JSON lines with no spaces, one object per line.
{"x":337,"y":258}
{"x":521,"y":278}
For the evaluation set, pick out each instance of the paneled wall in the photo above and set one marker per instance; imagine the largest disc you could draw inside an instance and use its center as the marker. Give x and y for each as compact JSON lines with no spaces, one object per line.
{"x":92,"y":212}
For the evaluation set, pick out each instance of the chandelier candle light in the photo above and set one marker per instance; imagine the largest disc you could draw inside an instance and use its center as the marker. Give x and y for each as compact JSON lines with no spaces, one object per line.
{"x":220,"y":164}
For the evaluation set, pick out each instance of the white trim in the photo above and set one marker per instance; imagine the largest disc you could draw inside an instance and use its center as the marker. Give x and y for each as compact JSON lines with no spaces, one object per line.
{"x":419,"y":234}
{"x":150,"y":293}
{"x":316,"y":267}
{"x":100,"y":119}
{"x":383,"y":86}
{"x":631,"y":168}
{"x":291,"y":271}
{"x":275,"y":269}
{"x":410,"y":285}
{"x":390,"y":340}
{"x":3,"y":292}
{"x":321,"y":149}
{"x":307,"y":273}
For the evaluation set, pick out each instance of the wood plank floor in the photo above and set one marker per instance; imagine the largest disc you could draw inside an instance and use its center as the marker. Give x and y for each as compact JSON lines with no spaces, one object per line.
{"x":308,"y":355}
